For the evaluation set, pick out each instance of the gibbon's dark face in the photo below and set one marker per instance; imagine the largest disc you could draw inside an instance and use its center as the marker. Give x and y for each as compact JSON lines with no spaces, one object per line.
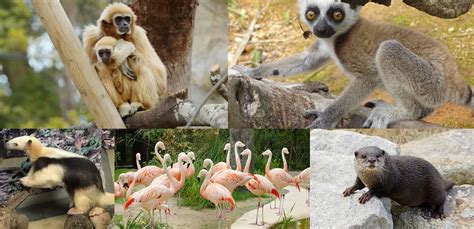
{"x":122,"y":23}
{"x":328,"y":18}
{"x":104,"y":55}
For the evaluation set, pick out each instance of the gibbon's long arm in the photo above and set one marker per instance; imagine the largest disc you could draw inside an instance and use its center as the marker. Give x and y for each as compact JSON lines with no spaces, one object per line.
{"x":311,"y":59}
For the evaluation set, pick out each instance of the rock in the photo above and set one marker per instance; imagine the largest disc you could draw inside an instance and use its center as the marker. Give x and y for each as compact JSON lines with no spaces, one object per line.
{"x":331,"y":210}
{"x":451,"y":152}
{"x":459,"y":211}
{"x":9,"y":219}
{"x":347,"y":142}
{"x":332,"y":157}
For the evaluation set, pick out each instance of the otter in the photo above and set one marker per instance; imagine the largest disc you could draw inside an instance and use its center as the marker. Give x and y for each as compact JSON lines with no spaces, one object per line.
{"x":409,"y":181}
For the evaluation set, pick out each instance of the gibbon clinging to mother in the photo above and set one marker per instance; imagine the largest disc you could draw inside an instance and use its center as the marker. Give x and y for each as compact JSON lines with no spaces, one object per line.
{"x":119,"y":21}
{"x":127,"y":94}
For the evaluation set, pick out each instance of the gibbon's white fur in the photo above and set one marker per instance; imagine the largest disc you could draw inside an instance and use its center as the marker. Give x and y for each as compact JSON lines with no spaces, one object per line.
{"x":52,"y":167}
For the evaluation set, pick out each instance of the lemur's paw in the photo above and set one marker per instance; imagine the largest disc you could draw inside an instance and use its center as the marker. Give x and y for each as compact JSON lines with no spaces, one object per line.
{"x":75,"y":211}
{"x":125,"y":110}
{"x":380,"y":117}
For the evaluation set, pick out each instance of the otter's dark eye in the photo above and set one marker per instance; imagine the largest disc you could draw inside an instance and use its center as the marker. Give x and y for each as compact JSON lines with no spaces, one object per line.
{"x":363,"y":156}
{"x":311,"y":15}
{"x":337,"y":16}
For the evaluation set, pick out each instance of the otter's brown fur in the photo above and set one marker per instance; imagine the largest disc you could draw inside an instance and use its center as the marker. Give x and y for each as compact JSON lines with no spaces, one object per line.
{"x":409,"y":181}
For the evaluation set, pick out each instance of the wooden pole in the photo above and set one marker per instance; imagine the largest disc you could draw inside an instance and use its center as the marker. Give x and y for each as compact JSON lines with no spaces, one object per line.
{"x":77,"y":63}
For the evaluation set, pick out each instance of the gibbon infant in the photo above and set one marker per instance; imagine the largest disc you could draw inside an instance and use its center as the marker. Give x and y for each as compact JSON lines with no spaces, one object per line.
{"x":52,"y":167}
{"x":119,"y":21}
{"x":127,"y":94}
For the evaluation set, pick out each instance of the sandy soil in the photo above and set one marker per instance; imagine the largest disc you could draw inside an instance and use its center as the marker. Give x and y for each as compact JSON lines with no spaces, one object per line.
{"x":186,"y":217}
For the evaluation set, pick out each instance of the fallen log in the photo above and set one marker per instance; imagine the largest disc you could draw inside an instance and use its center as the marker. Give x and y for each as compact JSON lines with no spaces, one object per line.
{"x":268,"y":104}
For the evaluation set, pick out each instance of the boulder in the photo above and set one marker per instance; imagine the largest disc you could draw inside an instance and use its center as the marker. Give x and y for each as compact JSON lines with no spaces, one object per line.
{"x":451,"y":152}
{"x":331,"y":210}
{"x":347,"y":142}
{"x":459,"y":211}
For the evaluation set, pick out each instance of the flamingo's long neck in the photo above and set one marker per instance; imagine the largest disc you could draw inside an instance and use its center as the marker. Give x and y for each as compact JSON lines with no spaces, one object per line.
{"x":191,"y":169}
{"x":138,"y":162}
{"x":183,"y":175}
{"x":130,"y":188}
{"x":227,"y":159}
{"x":237,"y":158}
{"x":285,"y":166}
{"x":267,"y":167}
{"x":173,"y":182}
{"x":202,"y":191}
{"x":247,"y":164}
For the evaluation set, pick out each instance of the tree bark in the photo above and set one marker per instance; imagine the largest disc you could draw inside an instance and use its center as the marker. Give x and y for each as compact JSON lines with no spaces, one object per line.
{"x":442,"y":9}
{"x":169,"y":26}
{"x":268,"y":104}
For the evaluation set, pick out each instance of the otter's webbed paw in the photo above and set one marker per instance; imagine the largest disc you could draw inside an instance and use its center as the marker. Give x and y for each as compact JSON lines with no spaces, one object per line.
{"x":246,"y":71}
{"x":349,"y":191}
{"x":322,"y":120}
{"x":365,"y":197}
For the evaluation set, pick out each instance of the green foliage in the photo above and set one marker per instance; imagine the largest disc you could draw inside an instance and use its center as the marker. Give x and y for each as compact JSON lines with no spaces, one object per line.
{"x":256,"y":57}
{"x":15,"y":20}
{"x":296,"y":140}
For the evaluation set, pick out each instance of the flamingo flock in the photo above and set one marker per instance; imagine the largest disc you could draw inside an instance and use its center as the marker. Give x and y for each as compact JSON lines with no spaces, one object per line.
{"x":220,"y":181}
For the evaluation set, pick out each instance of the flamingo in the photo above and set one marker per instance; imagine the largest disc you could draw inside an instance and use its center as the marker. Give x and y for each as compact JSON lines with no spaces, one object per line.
{"x":231,"y":179}
{"x":258,"y":186}
{"x":153,"y":196}
{"x":237,"y":156}
{"x":303,"y":180}
{"x":221,"y":165}
{"x":118,"y":191}
{"x":146,"y":174}
{"x":125,"y":179}
{"x":214,"y":192}
{"x":138,"y":158}
{"x":279,"y":177}
{"x":283,"y":152}
{"x":190,"y":168}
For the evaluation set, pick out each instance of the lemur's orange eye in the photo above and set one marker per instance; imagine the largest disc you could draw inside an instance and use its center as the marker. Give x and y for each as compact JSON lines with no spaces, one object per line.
{"x":311,"y":15}
{"x":337,"y":16}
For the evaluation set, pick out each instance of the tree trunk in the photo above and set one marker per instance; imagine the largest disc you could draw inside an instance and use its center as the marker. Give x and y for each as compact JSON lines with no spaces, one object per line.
{"x":169,"y":26}
{"x":246,"y":137}
{"x":442,"y":9}
{"x":268,"y":104}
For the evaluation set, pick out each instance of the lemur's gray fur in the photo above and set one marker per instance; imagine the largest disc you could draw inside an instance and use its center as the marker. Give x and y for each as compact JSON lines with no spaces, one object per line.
{"x":416,"y":69}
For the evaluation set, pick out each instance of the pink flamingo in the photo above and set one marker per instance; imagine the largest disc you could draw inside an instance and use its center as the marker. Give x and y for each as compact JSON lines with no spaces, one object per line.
{"x":190,"y":166}
{"x":125,"y":179}
{"x":303,"y":180}
{"x":154,"y":196}
{"x":221,"y":165}
{"x":279,"y":177}
{"x":146,"y":174}
{"x":258,"y":186}
{"x":214,"y":192}
{"x":231,"y":179}
{"x":118,"y":191}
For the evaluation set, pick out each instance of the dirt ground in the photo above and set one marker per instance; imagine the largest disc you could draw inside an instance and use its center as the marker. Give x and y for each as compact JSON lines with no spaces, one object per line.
{"x":278,"y":34}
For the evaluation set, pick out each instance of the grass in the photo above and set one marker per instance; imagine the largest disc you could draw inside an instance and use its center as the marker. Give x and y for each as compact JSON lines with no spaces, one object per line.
{"x":288,"y":221}
{"x":138,"y":222}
